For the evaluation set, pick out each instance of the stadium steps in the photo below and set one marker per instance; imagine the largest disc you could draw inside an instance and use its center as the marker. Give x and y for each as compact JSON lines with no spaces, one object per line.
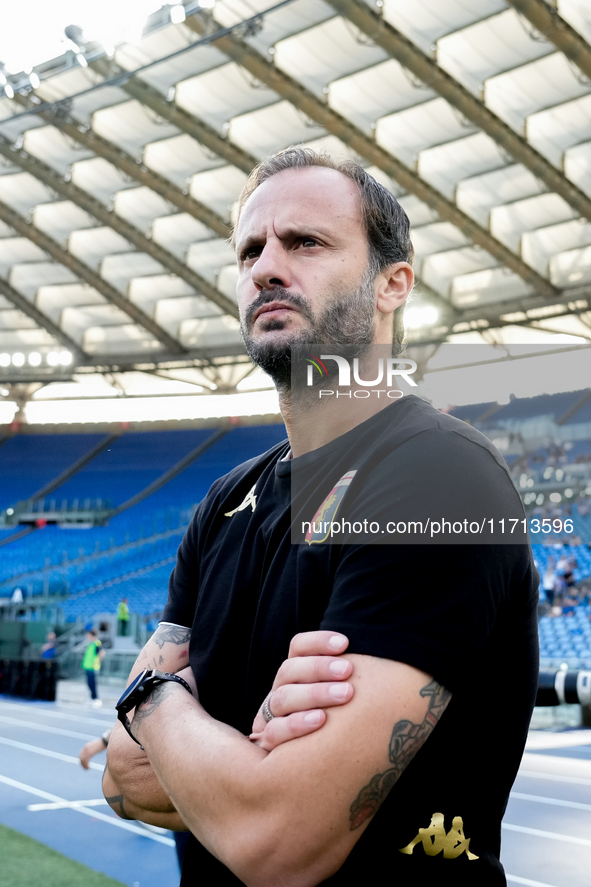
{"x":77,"y":466}
{"x":585,"y":398}
{"x":161,"y":481}
{"x":19,"y":535}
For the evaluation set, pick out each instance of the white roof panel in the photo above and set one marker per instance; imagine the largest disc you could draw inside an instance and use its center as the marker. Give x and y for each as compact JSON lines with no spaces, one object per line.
{"x":141,"y":206}
{"x":509,"y":222}
{"x":429,"y":20}
{"x":131,"y":126}
{"x":119,"y":270}
{"x":52,"y":300}
{"x":180,"y":157}
{"x":59,"y":220}
{"x":409,"y":132}
{"x":94,"y":245}
{"x":23,"y":192}
{"x":488,"y":47}
{"x":221,"y":94}
{"x":177,"y":232}
{"x":14,"y":250}
{"x":367,"y":95}
{"x":273,"y":128}
{"x":100,"y":178}
{"x":321,"y":54}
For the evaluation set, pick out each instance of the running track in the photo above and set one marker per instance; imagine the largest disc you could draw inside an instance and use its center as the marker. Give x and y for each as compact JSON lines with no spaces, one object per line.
{"x":45,"y":793}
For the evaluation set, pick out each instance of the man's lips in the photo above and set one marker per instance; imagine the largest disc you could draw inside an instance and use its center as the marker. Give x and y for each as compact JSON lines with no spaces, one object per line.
{"x":272,"y":307}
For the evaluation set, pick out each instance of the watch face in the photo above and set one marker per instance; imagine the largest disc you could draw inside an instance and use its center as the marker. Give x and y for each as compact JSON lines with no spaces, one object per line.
{"x":129,"y":690}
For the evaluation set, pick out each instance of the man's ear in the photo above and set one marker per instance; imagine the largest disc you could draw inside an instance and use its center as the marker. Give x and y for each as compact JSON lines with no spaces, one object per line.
{"x":394,"y":284}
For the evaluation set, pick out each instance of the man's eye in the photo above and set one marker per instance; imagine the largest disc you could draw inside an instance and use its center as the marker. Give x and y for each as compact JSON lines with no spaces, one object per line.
{"x":253,"y":252}
{"x":309,"y":241}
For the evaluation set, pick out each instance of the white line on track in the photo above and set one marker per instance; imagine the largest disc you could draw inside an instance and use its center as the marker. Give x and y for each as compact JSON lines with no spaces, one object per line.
{"x":538,"y":799}
{"x":535,"y":774}
{"x":111,"y":820}
{"x":63,"y":805}
{"x":515,"y":879}
{"x":45,"y":728}
{"x":69,"y":759}
{"x":538,"y":833}
{"x":100,"y":722}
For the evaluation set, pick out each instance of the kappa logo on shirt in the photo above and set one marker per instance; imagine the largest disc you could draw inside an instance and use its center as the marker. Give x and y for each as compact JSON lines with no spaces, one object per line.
{"x":436,"y":840}
{"x":250,"y":499}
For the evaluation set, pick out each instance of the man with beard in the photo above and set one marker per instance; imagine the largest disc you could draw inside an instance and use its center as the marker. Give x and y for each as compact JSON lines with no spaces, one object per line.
{"x":412,"y":772}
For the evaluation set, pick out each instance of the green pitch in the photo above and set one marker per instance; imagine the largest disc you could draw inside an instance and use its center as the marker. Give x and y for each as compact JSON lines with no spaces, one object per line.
{"x":27,"y":863}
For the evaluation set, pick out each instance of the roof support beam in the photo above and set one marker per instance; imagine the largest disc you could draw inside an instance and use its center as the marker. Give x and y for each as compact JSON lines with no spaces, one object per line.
{"x":426,"y":69}
{"x":41,"y":319}
{"x":81,"y":270}
{"x":547,"y":20}
{"x":109,"y":218}
{"x":136,"y":170}
{"x":511,"y":313}
{"x":186,"y":122}
{"x":313,"y":107}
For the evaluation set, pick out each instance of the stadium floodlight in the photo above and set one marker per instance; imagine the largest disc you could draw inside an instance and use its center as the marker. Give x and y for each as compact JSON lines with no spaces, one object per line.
{"x":53,"y":358}
{"x":4,"y":360}
{"x":2,"y":79}
{"x":206,"y":4}
{"x":34,"y":358}
{"x":8,"y":91}
{"x":81,"y":60}
{"x":418,"y":316}
{"x":65,"y":358}
{"x":177,"y":14}
{"x":34,"y":79}
{"x":18,"y":359}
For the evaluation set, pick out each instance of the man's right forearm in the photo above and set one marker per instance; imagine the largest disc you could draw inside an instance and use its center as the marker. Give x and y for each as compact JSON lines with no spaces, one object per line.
{"x":129,"y":774}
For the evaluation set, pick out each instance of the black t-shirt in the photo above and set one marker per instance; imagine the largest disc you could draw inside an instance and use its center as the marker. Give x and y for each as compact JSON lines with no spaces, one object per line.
{"x":463,"y":613}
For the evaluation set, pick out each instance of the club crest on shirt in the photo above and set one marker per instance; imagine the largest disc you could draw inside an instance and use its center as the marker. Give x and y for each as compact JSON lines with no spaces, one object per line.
{"x":319,"y":529}
{"x":436,"y":840}
{"x":249,"y":499}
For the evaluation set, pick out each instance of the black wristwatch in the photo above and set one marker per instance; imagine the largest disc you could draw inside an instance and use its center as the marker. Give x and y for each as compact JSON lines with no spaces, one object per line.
{"x":139,"y":690}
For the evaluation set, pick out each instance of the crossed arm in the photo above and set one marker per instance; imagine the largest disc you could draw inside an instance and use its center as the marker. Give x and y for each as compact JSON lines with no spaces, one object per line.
{"x":290,"y":815}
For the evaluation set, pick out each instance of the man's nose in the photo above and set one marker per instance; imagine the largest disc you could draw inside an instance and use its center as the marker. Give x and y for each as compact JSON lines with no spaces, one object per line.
{"x":272,"y":268}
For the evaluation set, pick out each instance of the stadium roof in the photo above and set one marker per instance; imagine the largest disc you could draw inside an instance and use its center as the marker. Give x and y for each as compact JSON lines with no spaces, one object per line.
{"x":119,"y":170}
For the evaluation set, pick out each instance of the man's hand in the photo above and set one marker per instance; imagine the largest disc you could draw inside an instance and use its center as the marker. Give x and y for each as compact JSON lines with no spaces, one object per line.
{"x":92,"y":748}
{"x":311,"y":679}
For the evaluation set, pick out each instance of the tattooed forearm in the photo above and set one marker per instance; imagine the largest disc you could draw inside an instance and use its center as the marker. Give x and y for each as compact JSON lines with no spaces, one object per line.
{"x":116,"y":801}
{"x":405,"y":741}
{"x":171,"y":634}
{"x":149,"y":705}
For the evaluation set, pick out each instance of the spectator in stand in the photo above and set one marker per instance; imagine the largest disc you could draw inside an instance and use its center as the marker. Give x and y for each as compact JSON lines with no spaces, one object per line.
{"x":548,"y":583}
{"x":91,"y":663}
{"x":122,"y":618}
{"x":48,"y":648}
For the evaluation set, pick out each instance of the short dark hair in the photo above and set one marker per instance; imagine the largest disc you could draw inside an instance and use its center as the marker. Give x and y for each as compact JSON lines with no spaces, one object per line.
{"x":386,"y":224}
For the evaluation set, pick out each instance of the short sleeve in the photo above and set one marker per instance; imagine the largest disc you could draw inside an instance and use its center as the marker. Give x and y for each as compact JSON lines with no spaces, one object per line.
{"x":183,"y":584}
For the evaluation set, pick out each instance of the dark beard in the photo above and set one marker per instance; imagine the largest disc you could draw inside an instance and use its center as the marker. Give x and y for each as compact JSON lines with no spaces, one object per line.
{"x":347,"y":320}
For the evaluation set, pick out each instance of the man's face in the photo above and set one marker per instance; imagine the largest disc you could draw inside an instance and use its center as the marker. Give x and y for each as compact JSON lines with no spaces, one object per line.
{"x":303,"y":259}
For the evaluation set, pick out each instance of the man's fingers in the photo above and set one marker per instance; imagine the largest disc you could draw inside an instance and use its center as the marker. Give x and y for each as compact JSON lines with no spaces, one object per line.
{"x":281,"y":730}
{"x":304,"y":697}
{"x":318,"y":643}
{"x":312,"y":670}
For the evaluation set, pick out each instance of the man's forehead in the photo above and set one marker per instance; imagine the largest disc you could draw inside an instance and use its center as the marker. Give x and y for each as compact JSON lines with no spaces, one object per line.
{"x":302,"y":196}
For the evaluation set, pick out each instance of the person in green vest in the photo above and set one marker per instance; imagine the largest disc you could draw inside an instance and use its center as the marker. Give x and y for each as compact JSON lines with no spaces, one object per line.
{"x":91,"y":663}
{"x":122,"y":618}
